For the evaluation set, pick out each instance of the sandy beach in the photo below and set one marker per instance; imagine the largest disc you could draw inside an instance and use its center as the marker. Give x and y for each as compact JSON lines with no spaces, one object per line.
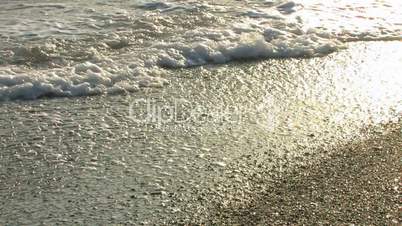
{"x":286,"y":158}
{"x":202,"y":112}
{"x":357,"y":184}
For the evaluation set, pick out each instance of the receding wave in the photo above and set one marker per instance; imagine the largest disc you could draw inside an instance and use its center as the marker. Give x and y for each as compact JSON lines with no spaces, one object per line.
{"x":125,"y":50}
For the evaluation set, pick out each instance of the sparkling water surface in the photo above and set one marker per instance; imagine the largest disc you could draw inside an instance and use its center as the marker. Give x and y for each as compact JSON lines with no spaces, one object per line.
{"x":127,"y":112}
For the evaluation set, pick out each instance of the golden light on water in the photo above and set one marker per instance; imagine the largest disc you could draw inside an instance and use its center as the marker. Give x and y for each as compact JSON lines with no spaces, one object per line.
{"x":357,"y":15}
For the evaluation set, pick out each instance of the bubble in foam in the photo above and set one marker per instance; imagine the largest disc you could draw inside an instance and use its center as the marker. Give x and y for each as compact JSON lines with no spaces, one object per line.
{"x":81,"y":80}
{"x":133,"y":58}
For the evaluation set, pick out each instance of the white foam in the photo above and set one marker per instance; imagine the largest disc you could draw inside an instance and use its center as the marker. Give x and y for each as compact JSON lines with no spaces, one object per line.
{"x":272,"y":43}
{"x":207,"y":33}
{"x":82,"y":80}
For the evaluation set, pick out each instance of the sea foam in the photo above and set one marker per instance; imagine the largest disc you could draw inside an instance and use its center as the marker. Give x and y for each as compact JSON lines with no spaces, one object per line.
{"x":81,"y":80}
{"x":173,"y":35}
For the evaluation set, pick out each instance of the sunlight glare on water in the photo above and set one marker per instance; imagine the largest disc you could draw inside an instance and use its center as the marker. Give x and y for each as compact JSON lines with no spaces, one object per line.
{"x":357,"y":15}
{"x":74,"y":152}
{"x":100,"y":47}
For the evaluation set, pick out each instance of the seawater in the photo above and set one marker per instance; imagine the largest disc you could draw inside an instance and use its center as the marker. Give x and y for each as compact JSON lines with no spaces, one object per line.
{"x":80,"y":48}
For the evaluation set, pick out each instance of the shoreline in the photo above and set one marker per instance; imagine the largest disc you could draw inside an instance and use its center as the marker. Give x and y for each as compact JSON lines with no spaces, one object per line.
{"x":356,"y":184}
{"x":296,"y":155}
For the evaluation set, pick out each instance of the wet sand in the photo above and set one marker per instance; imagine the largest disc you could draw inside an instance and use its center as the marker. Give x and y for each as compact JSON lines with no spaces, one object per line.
{"x":355,"y":185}
{"x":295,"y":152}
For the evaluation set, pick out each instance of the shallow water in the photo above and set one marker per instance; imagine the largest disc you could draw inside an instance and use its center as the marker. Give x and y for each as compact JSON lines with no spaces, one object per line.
{"x":161,"y":102}
{"x":148,"y":157}
{"x":75,"y":48}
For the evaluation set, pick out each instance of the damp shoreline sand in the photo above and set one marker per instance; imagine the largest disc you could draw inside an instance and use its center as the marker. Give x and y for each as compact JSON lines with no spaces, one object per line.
{"x":357,"y":184}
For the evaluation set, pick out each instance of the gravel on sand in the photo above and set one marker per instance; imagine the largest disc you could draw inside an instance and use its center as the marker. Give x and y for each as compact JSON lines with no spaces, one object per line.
{"x":357,"y":184}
